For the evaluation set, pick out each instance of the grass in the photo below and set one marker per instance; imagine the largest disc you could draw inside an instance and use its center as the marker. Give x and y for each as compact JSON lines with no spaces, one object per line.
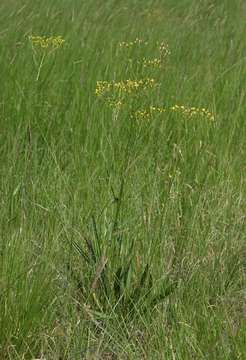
{"x":122,"y":236}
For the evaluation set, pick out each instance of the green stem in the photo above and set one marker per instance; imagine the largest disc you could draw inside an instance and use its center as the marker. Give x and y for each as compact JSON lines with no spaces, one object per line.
{"x":40,"y":66}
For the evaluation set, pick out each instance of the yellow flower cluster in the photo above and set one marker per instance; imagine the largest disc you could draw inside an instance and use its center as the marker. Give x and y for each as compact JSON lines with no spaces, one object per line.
{"x":193,"y":111}
{"x":156,"y":63}
{"x":127,"y":86}
{"x":116,"y":104}
{"x":52,"y":42}
{"x":142,"y":114}
{"x":148,"y":113}
{"x":157,"y":109}
{"x":130,"y":44}
{"x":116,"y":93}
{"x":164,"y":49}
{"x":187,"y":111}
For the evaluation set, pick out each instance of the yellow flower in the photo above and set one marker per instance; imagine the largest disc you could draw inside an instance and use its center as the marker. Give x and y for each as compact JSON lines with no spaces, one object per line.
{"x":44,"y":42}
{"x":142,"y":114}
{"x":124,"y":86}
{"x":192,"y":111}
{"x":137,"y":41}
{"x":156,"y":63}
{"x":164,"y":49}
{"x":189,"y":112}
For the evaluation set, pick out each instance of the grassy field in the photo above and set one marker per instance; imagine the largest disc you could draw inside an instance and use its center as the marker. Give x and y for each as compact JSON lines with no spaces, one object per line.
{"x":123,"y":161}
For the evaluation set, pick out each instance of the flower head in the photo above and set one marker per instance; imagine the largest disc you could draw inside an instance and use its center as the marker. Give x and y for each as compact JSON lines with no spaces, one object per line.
{"x":44,"y":42}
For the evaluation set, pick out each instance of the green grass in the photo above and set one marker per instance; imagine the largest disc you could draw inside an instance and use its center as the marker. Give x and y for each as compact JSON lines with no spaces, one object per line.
{"x":122,"y":238}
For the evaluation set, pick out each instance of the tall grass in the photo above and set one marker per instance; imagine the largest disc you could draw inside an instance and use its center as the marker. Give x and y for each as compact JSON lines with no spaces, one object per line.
{"x":122,"y":237}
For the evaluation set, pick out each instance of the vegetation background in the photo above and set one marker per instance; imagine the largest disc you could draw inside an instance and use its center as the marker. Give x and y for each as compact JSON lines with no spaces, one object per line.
{"x":122,"y":239}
